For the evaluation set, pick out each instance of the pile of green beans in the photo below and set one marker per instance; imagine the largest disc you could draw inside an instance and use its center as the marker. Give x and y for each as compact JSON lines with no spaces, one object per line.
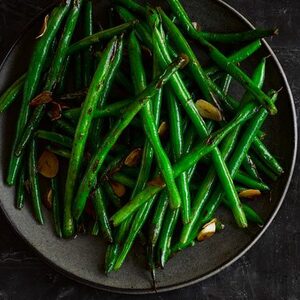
{"x":126,"y":150}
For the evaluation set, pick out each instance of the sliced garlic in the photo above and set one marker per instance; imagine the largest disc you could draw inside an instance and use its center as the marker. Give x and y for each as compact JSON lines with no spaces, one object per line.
{"x":207,"y":230}
{"x":133,"y":158}
{"x":44,"y":27}
{"x":163,"y":129}
{"x":208,"y":111}
{"x":48,"y":164}
{"x":250,"y":194}
{"x":118,"y":188}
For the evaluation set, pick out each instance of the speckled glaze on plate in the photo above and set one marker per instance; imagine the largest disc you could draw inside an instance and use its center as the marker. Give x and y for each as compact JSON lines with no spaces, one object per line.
{"x":82,"y":258}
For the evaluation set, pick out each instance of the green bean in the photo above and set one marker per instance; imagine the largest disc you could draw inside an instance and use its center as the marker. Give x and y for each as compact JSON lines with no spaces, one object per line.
{"x":116,"y":201}
{"x":186,"y":23}
{"x":166,"y":235}
{"x":82,"y":130}
{"x":114,"y":68}
{"x":264,"y":169}
{"x":133,"y":6}
{"x":250,"y":167}
{"x":34,"y":184}
{"x":136,"y":226}
{"x":9,"y":96}
{"x":158,"y":218}
{"x":238,"y":156}
{"x":78,"y":71}
{"x":32,"y":81}
{"x":238,"y":56}
{"x":150,"y":128}
{"x":222,"y":61}
{"x":95,"y":229}
{"x":187,"y":103}
{"x":240,"y":76}
{"x":206,"y":186}
{"x":140,"y":28}
{"x":123,"y":179}
{"x":111,"y":257}
{"x":264,"y":154}
{"x":64,"y":126}
{"x":88,"y":31}
{"x":182,"y":165}
{"x":62,"y":152}
{"x":62,"y":80}
{"x":98,"y":159}
{"x":145,"y":166}
{"x":101,"y":213}
{"x":55,"y":69}
{"x":54,"y":137}
{"x":113,"y":109}
{"x":56,"y":207}
{"x":206,"y":85}
{"x":99,"y":36}
{"x":21,"y":190}
{"x":252,"y":215}
{"x":250,"y":183}
{"x":176,"y":137}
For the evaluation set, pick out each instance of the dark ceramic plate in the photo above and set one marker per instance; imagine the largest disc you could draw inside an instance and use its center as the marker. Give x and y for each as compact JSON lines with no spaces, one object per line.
{"x":82,"y":258}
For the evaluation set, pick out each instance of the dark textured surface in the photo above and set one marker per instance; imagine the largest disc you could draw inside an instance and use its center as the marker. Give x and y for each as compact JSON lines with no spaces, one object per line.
{"x":269,"y":271}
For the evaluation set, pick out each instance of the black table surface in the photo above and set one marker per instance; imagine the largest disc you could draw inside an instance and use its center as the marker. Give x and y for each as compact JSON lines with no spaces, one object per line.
{"x":270,"y":270}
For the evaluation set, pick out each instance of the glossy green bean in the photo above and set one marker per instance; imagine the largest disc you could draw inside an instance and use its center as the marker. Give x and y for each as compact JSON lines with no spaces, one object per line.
{"x":238,"y":156}
{"x":99,"y":36}
{"x":264,"y":169}
{"x":264,"y":154}
{"x":107,"y":85}
{"x":101,"y":214}
{"x":34,"y":184}
{"x":96,"y":162}
{"x":123,"y":179}
{"x":95,"y":229}
{"x":133,"y":6}
{"x":65,"y":126}
{"x":9,"y":96}
{"x":250,"y":167}
{"x":56,"y":207}
{"x":252,"y":215}
{"x":176,"y":140}
{"x":158,"y":218}
{"x":182,"y":165}
{"x":116,"y":201}
{"x":250,"y":182}
{"x":111,"y":257}
{"x":187,"y":103}
{"x":145,"y":167}
{"x":113,"y":109}
{"x":55,"y":138}
{"x":20,"y":196}
{"x":164,"y":244}
{"x":186,"y":23}
{"x":150,"y":128}
{"x":87,"y":67}
{"x":82,"y":130}
{"x":206,"y":85}
{"x":78,"y":71}
{"x":33,"y":79}
{"x":136,"y":226}
{"x":140,"y":28}
{"x":55,"y":69}
{"x":238,"y":56}
{"x":221,"y":60}
{"x":62,"y":152}
{"x":206,"y":186}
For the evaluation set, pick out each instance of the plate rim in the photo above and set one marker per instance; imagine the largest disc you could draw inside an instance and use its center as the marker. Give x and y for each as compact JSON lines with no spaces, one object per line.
{"x":209,"y":274}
